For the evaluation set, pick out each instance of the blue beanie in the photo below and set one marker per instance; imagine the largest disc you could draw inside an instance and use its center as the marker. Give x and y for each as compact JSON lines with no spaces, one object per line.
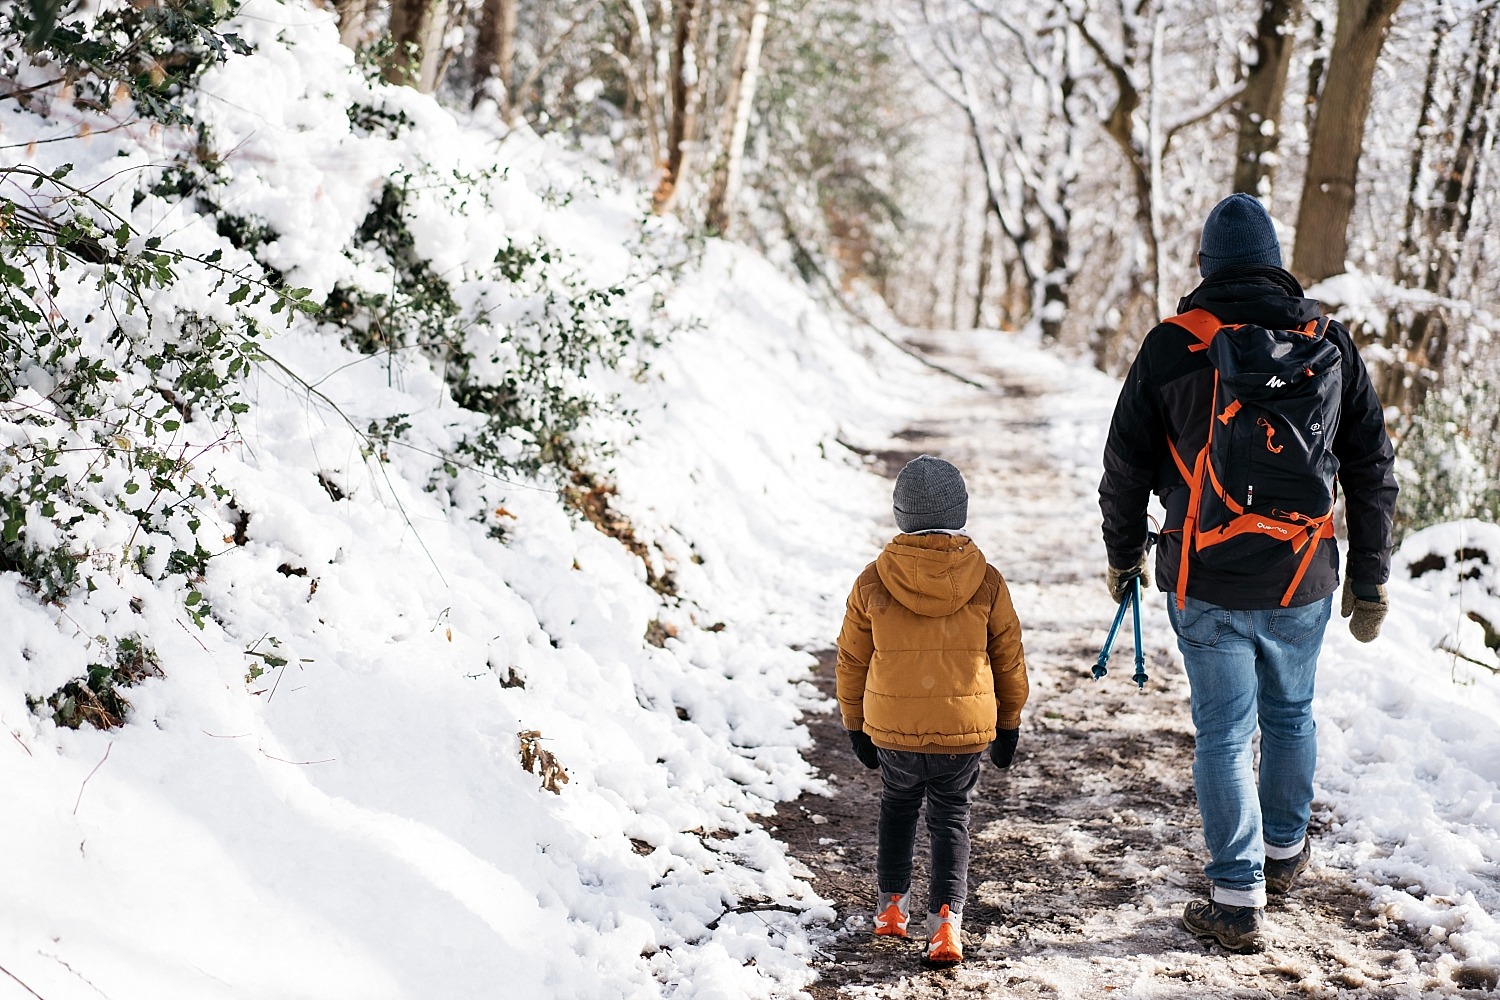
{"x":1237,"y":231}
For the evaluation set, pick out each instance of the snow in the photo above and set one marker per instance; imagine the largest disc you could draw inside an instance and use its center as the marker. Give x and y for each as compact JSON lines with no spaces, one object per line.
{"x":321,"y":796}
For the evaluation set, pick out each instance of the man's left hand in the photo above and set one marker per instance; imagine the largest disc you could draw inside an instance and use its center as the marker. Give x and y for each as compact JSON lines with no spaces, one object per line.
{"x":1119,"y":579}
{"x":1365,"y":605}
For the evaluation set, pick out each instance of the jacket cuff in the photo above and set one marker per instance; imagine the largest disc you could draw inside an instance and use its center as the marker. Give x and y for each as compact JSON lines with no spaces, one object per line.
{"x":1367,"y":567}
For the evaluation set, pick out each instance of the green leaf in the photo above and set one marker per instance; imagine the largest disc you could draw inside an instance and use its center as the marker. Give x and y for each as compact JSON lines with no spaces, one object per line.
{"x":192,"y":598}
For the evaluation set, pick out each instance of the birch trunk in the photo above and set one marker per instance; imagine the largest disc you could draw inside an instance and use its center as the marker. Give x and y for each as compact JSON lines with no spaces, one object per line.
{"x":682,"y":126}
{"x":740,"y":102}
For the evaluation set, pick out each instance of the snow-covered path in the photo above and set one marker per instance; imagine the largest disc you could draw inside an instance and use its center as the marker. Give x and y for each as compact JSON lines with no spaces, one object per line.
{"x":1085,"y":853}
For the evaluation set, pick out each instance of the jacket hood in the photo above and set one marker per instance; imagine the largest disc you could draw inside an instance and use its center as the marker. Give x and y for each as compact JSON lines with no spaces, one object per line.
{"x":931,"y":575}
{"x":1253,"y":293}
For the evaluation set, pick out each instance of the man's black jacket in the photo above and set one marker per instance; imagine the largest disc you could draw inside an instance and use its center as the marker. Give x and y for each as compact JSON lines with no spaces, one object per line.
{"x":1167,"y":395}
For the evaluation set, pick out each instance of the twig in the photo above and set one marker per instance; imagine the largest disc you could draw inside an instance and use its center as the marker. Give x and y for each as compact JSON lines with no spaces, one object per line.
{"x":328,"y":760}
{"x":17,"y":738}
{"x":185,"y":629}
{"x":277,"y":684}
{"x":81,"y":787}
{"x":23,"y":986}
{"x":751,"y":908}
{"x":1467,"y":659}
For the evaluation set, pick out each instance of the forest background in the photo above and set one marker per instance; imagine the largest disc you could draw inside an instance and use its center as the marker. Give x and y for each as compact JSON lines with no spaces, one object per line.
{"x":984,"y":164}
{"x":991,"y":164}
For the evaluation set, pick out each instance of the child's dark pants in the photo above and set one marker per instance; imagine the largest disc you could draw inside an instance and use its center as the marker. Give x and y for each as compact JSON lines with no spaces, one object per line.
{"x":946,"y":781}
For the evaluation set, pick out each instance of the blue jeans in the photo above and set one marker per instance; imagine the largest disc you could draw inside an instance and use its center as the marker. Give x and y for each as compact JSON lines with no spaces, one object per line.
{"x":945,"y":781}
{"x":1244,"y":667}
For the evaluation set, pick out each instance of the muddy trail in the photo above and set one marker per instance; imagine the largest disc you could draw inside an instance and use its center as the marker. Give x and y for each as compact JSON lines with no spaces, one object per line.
{"x":1086,"y":850}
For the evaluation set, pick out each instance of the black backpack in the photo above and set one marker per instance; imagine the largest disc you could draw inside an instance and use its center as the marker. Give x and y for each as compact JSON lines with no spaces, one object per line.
{"x":1265,"y":476}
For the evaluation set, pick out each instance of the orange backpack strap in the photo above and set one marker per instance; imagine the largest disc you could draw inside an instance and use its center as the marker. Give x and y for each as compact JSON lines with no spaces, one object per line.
{"x":1195,"y":492}
{"x":1323,"y":530}
{"x":1200,"y":323}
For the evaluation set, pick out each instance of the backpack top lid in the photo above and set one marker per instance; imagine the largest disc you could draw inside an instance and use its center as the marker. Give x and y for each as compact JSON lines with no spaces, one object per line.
{"x":1264,"y":364}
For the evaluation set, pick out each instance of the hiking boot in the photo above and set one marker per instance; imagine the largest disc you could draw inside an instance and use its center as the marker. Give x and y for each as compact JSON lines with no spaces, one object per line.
{"x":892,"y":918}
{"x":1235,"y":927}
{"x":945,"y":944}
{"x":1281,"y":874}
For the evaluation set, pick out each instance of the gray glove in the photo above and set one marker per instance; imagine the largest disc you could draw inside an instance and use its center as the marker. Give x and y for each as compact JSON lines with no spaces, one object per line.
{"x":1365,"y":605}
{"x":1119,"y":579}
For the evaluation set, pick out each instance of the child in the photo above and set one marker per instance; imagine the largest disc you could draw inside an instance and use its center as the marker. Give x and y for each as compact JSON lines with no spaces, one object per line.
{"x":930,"y":671}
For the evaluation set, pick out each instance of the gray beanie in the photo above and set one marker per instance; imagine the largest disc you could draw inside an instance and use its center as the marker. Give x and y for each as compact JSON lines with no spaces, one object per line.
{"x":1237,"y":231}
{"x":930,"y":494}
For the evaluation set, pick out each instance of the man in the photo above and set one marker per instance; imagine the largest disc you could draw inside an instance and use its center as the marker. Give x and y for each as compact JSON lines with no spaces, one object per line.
{"x":1250,"y":626}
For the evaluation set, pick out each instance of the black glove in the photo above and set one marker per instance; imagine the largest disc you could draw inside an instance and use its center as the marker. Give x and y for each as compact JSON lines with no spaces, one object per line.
{"x":864,"y":748}
{"x":1003,"y":750}
{"x":1365,"y":605}
{"x":1119,"y":579}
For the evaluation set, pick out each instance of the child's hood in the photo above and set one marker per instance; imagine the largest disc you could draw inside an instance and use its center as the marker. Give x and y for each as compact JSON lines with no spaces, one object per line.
{"x":931,"y":575}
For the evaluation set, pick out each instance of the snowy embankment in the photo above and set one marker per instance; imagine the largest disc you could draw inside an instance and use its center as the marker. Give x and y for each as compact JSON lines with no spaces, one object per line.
{"x":319,"y":791}
{"x":1410,"y":750}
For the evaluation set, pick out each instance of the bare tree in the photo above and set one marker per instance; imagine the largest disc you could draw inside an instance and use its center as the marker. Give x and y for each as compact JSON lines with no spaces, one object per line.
{"x":1337,"y":139}
{"x":1441,"y":198}
{"x":983,"y":55}
{"x":1143,"y":127}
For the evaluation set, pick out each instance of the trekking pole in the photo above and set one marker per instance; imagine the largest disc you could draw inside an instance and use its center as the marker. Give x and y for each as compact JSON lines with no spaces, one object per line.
{"x":1140,"y":677}
{"x":1101,"y":668}
{"x":1140,"y":653}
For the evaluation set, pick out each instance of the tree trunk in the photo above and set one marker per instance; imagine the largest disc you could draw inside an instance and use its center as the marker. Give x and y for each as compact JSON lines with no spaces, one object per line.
{"x":494,"y":55}
{"x":416,"y":29}
{"x":986,"y":260}
{"x":1120,"y":126}
{"x":1408,"y":265}
{"x":1259,"y":111}
{"x":682,"y":126}
{"x":738,"y":105}
{"x":960,"y":249}
{"x":1337,"y":139}
{"x":353,"y":19}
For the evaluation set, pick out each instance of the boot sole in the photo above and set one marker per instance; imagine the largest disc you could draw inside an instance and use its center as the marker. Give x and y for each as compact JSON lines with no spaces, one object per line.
{"x":1239,"y":946}
{"x":941,"y":962}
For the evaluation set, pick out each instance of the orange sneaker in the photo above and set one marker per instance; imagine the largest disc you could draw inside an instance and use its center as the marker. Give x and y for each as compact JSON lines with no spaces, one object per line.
{"x":945,"y":944}
{"x":891,"y":919}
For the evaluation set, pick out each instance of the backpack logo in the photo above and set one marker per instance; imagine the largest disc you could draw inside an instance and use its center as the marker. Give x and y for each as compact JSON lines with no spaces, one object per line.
{"x":1261,"y":474}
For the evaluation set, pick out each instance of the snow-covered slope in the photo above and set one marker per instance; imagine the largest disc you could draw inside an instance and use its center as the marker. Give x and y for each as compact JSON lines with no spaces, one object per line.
{"x":319,"y":791}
